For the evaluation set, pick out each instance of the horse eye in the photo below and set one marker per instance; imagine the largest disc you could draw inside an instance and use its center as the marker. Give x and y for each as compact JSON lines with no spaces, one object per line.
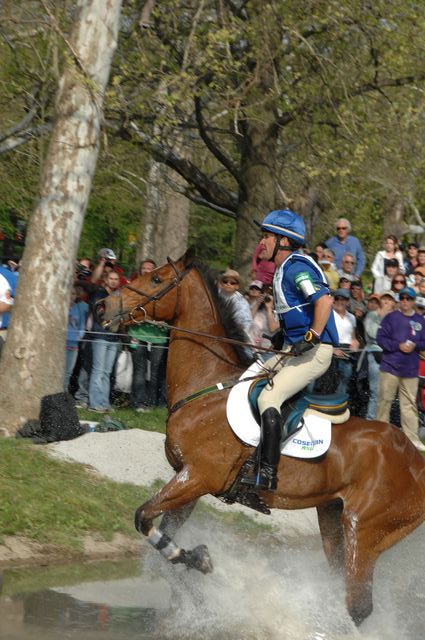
{"x":156,"y":280}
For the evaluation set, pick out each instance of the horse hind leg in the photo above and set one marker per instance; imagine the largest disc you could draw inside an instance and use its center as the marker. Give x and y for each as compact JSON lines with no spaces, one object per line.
{"x":332,"y":534}
{"x":176,"y":501}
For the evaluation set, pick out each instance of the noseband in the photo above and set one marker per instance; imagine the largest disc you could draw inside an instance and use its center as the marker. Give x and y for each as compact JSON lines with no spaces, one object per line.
{"x":179,"y":275}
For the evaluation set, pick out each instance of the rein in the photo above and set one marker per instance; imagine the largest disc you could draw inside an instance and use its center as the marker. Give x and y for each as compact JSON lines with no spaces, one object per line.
{"x":239,"y":343}
{"x":154,"y":298}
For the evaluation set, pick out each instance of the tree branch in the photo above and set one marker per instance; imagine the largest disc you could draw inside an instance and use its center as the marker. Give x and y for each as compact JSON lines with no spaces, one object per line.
{"x":212,"y":192}
{"x":145,"y":16}
{"x":25,"y":136}
{"x":212,"y":146}
{"x":415,"y":211}
{"x":22,"y":124}
{"x":367,"y":87}
{"x":198,"y":200}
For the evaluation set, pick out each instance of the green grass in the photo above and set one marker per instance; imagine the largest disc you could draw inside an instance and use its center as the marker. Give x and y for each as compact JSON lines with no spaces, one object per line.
{"x":58,"y":503}
{"x":153,"y":420}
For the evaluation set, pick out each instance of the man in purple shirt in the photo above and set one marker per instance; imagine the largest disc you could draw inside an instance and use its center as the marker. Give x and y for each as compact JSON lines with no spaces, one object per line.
{"x":343,"y":243}
{"x":401,"y":336}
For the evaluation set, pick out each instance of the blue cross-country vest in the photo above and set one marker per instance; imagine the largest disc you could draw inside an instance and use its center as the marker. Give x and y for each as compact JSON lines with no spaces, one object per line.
{"x":298,"y":283}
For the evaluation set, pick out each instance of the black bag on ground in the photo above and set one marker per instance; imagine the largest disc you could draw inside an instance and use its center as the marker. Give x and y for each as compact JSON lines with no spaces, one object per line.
{"x":58,"y":420}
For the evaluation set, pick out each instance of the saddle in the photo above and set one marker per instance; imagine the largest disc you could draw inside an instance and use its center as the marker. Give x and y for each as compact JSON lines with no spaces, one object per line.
{"x":333,"y":406}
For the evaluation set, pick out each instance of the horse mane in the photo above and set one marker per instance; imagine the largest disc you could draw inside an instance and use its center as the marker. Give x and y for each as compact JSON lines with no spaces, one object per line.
{"x":225,"y":311}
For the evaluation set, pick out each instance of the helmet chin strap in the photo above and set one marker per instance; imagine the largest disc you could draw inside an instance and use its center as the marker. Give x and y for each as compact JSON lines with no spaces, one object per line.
{"x":278,"y":247}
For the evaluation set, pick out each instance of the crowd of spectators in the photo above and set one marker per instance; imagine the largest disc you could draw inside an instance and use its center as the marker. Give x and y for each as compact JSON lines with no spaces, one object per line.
{"x":99,"y":348}
{"x":380,"y":361}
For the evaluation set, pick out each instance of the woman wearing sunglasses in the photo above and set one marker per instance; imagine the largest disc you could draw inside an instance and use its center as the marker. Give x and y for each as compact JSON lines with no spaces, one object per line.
{"x":398,"y":283}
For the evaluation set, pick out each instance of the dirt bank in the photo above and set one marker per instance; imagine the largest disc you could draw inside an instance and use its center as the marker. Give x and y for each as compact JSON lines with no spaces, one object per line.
{"x":18,"y":551}
{"x":137,"y":457}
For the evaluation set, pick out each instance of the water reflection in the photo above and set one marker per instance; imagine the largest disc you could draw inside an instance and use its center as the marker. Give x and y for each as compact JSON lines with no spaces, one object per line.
{"x":85,"y":607}
{"x":262,"y":588}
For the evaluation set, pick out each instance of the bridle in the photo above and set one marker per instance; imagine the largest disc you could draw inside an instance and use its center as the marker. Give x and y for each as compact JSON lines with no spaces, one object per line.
{"x":175,"y":282}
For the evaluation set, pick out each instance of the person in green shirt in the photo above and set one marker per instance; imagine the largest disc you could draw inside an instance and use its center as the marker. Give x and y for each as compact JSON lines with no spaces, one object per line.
{"x":148,"y":348}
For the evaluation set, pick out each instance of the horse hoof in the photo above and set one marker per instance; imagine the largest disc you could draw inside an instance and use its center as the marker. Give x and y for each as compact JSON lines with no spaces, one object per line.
{"x":198,"y":558}
{"x":138,"y":522}
{"x":360,"y":613}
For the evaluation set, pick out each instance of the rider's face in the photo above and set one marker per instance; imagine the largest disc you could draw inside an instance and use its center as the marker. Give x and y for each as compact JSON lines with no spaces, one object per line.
{"x":267,"y":244}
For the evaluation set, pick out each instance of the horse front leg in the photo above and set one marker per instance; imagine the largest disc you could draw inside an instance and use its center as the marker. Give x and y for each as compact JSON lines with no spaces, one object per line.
{"x":360,"y":559}
{"x":176,"y":501}
{"x":332,"y":534}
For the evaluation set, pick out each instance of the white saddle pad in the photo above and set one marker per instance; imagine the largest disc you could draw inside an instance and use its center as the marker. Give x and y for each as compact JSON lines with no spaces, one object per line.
{"x":311,"y":441}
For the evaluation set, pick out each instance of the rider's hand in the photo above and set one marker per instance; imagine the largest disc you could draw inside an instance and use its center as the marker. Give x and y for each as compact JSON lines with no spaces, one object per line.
{"x":309,"y":341}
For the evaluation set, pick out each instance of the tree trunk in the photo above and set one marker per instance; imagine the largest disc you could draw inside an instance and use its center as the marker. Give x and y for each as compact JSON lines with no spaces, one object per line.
{"x":165,"y":223}
{"x":32,"y":363}
{"x":394,"y":216}
{"x":258,"y":166}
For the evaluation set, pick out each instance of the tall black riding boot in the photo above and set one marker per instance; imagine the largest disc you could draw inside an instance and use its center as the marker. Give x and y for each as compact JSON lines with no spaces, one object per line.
{"x":271,"y":434}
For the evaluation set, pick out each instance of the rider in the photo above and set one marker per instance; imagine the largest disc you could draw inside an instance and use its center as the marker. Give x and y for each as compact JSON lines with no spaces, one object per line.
{"x":304,"y":306}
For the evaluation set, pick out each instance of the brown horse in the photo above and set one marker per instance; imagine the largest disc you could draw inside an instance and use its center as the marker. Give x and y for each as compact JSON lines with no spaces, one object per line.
{"x":368,"y":489}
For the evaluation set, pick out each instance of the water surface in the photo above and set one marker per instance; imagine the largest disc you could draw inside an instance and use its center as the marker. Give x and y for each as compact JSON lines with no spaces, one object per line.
{"x":262,"y":587}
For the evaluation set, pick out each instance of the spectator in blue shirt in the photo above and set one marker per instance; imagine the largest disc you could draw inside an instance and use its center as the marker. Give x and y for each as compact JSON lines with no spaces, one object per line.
{"x":343,"y":243}
{"x":12,"y":279}
{"x":77,"y":317}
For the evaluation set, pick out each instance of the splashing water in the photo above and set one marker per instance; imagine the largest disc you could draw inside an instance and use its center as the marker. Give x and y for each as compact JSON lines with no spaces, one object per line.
{"x":269,"y":588}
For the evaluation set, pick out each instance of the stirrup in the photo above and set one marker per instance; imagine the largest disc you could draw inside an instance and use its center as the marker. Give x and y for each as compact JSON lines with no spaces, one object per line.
{"x":263,"y":479}
{"x":266,"y":478}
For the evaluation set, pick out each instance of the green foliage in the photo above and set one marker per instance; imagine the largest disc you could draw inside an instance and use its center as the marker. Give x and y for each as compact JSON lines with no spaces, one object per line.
{"x":213,"y":237}
{"x":339,"y":81}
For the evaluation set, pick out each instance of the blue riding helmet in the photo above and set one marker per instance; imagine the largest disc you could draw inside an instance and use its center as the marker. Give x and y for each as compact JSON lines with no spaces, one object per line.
{"x":284,"y":222}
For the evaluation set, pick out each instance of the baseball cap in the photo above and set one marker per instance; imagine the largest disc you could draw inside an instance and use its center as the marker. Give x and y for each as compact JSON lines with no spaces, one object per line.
{"x":374,"y":296}
{"x":230,"y":273}
{"x":408,"y":291}
{"x":420,"y":301}
{"x":343,"y":293}
{"x":256,"y":283}
{"x":420,"y":270}
{"x":390,"y":294}
{"x":107,"y":253}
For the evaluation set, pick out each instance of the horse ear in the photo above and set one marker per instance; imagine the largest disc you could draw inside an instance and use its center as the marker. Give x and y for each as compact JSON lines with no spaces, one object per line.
{"x":189,"y":256}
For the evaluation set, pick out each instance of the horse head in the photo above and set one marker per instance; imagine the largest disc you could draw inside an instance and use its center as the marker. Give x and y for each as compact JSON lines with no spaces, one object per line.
{"x":152,"y":296}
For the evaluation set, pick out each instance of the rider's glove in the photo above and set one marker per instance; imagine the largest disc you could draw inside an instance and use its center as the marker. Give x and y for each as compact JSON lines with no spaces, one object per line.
{"x":309,"y":341}
{"x":276,"y":339}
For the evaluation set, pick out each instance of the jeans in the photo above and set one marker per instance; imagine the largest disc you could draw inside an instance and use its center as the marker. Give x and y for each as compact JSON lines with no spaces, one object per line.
{"x":104,"y":353}
{"x":345,"y":368}
{"x":82,"y":393}
{"x":373,"y":378}
{"x":147,"y":393}
{"x":70,"y":360}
